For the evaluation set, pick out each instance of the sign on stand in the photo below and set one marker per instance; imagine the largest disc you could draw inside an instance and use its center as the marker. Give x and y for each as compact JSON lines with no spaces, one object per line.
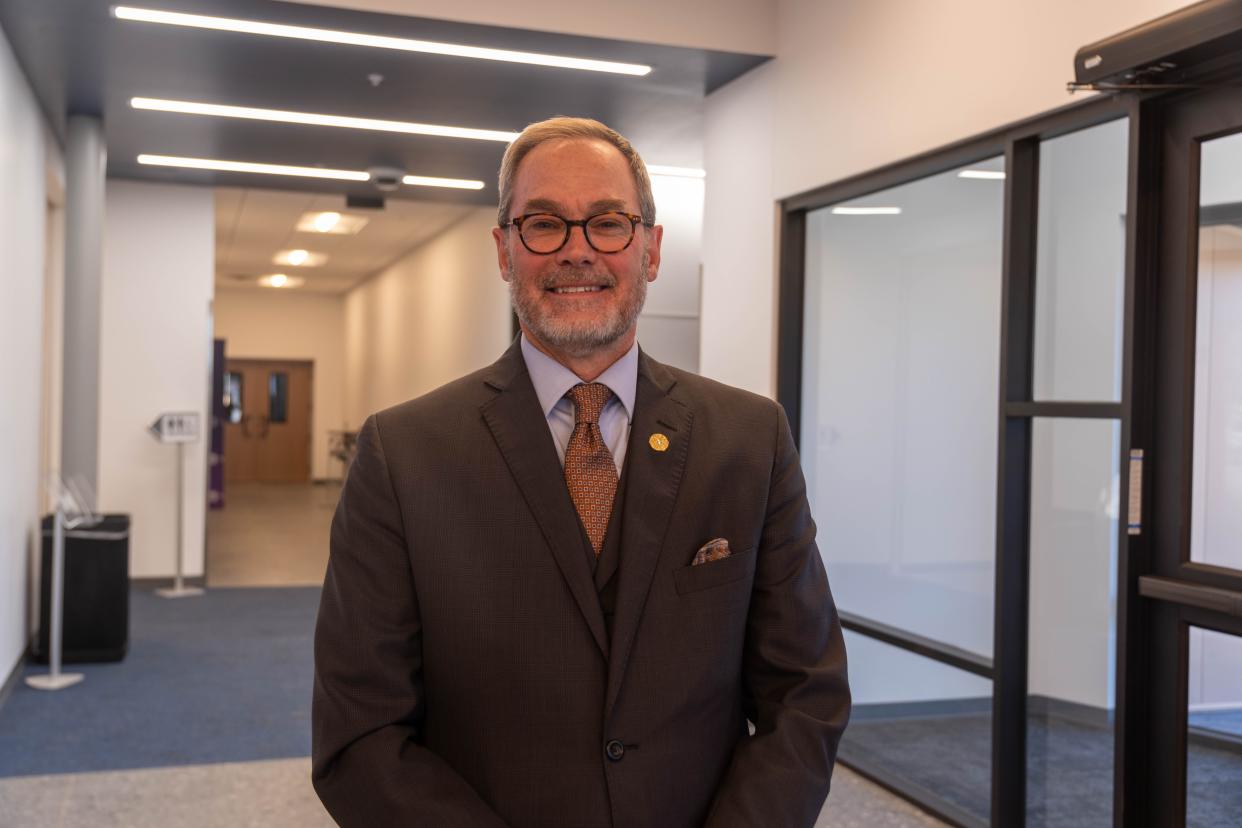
{"x":179,"y":428}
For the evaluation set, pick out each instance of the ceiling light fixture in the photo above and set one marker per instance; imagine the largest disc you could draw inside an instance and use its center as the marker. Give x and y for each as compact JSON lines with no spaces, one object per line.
{"x":299,"y":258}
{"x":866,"y":211}
{"x":247,"y":167}
{"x":308,"y":172}
{"x":677,"y":172}
{"x":331,"y":222}
{"x":983,"y":175}
{"x":225,"y":24}
{"x":280,"y":280}
{"x":316,"y":119}
{"x":431,"y":181}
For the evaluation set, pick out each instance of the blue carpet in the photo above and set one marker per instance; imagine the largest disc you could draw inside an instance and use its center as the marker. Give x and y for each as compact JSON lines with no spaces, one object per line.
{"x":221,"y":678}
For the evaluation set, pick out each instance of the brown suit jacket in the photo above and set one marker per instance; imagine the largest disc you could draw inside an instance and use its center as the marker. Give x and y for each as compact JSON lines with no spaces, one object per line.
{"x":471,"y":669}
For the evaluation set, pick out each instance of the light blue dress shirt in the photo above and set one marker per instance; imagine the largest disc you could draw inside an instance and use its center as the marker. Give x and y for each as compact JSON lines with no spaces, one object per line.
{"x":553,"y":380}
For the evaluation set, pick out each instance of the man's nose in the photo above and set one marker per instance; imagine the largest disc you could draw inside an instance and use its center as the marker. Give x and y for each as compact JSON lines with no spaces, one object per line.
{"x":576,"y":249}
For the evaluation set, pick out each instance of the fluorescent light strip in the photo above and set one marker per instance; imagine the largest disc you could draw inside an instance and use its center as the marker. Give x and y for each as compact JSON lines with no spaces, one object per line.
{"x":315,"y":119}
{"x":678,"y":172}
{"x":308,"y":172}
{"x":984,"y":175}
{"x":866,"y":211}
{"x":247,"y":167}
{"x":431,"y":181}
{"x":225,"y":24}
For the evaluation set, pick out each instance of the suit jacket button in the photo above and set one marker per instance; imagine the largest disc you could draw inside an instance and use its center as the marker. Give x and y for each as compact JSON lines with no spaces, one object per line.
{"x":614,"y":750}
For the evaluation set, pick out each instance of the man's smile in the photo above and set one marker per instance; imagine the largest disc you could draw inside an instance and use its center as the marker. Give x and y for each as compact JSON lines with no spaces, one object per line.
{"x":571,"y":289}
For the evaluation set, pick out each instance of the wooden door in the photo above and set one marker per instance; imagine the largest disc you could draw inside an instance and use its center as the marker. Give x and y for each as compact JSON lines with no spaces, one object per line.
{"x":267,"y":429}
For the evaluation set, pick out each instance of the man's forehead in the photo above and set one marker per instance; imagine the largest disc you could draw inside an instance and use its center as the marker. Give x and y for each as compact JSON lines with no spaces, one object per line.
{"x":573,"y":169}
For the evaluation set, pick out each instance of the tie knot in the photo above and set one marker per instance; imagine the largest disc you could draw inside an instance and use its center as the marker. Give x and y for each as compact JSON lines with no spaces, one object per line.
{"x":589,"y":400}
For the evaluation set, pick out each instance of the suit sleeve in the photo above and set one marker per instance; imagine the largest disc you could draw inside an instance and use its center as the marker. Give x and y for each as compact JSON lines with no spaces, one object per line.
{"x":794,"y":672}
{"x":368,"y":766}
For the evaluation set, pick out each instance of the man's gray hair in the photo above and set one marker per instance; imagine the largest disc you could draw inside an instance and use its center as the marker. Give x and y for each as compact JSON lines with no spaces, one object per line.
{"x":560,"y":129}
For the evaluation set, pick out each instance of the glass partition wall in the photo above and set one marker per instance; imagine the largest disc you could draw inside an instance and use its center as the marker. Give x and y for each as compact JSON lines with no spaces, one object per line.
{"x":955,"y":372}
{"x":899,"y":383}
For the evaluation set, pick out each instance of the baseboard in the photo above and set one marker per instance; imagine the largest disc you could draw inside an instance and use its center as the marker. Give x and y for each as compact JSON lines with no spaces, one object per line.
{"x":921,"y":709}
{"x":1068,"y":711}
{"x":159,"y":583}
{"x":327,"y":481}
{"x":13,"y":677}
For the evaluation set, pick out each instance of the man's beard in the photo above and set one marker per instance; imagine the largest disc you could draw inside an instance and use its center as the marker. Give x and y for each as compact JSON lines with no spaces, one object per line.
{"x":577,"y":338}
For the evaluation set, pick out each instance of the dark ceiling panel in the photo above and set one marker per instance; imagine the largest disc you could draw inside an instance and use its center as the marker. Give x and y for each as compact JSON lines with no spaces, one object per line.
{"x":81,"y":60}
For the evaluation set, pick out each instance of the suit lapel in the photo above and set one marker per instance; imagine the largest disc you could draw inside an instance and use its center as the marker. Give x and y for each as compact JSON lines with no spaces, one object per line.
{"x":654,"y":478}
{"x":521,"y":433}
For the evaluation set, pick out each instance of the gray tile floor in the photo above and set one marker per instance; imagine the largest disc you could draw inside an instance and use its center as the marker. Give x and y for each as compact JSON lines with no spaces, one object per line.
{"x":277,"y":793}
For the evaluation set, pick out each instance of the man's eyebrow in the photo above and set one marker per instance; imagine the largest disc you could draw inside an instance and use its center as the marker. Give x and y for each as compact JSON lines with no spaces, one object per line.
{"x":607,"y":205}
{"x":547,"y":205}
{"x":541,"y":205}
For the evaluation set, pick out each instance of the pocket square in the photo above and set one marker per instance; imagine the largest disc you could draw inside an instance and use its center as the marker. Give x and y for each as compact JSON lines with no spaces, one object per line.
{"x":713,"y":550}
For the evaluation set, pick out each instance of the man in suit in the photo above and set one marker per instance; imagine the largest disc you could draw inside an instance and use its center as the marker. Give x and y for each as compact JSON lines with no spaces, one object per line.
{"x":560,"y":587}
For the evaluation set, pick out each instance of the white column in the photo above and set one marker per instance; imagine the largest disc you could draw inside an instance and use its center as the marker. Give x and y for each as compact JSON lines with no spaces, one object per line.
{"x":85,"y":163}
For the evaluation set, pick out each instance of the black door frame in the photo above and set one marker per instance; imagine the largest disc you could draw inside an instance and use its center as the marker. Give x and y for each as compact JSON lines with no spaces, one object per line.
{"x":1160,"y":593}
{"x":1171,"y":592}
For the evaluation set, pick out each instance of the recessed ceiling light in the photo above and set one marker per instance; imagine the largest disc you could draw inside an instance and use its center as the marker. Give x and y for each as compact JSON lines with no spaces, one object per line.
{"x":225,"y":24}
{"x":431,"y":181}
{"x":247,"y":167}
{"x":983,"y":175}
{"x":866,"y":211}
{"x":337,"y":223}
{"x":316,"y":119}
{"x":280,"y":280}
{"x":678,"y":172}
{"x":299,"y":258}
{"x":310,"y":172}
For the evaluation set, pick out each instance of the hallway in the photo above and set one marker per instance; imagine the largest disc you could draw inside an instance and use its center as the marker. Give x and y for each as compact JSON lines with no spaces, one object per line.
{"x":271,"y":535}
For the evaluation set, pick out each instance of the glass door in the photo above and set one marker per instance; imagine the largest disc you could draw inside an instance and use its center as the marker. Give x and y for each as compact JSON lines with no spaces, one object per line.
{"x":1191,"y":525}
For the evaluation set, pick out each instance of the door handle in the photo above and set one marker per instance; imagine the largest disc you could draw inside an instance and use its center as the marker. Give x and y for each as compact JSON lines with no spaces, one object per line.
{"x":244,"y":422}
{"x":266,"y":426}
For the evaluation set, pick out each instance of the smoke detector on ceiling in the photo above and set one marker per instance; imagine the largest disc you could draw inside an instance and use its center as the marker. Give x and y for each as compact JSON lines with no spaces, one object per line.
{"x":386,"y":179}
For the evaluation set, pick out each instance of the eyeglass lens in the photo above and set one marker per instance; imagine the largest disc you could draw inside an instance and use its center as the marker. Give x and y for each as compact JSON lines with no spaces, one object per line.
{"x":607,"y":232}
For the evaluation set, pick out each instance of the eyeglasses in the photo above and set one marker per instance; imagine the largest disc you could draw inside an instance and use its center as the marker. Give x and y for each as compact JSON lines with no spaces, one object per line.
{"x":609,"y":232}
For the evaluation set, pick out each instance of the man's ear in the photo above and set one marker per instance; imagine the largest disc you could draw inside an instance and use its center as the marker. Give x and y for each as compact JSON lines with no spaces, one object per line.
{"x":502,"y":251}
{"x":655,"y":235}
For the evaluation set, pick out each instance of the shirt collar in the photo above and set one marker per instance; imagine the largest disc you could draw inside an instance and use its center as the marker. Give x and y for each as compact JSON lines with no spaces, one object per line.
{"x":552,"y":380}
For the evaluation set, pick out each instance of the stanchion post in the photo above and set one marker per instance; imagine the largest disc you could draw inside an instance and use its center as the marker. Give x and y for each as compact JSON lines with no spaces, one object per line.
{"x":54,"y":679}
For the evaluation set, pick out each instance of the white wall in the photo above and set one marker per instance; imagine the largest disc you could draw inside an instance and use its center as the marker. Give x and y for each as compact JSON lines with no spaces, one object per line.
{"x":856,"y":86}
{"x":668,"y":327}
{"x":155,"y":355}
{"x":23,"y":208}
{"x":439,"y":312}
{"x":731,"y":25}
{"x":272,"y":324}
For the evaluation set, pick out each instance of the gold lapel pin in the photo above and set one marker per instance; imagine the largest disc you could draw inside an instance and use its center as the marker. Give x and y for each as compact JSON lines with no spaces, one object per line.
{"x":658,"y":442}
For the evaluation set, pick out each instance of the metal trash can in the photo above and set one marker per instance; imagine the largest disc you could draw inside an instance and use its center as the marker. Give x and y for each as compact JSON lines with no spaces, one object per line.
{"x":96,"y":615}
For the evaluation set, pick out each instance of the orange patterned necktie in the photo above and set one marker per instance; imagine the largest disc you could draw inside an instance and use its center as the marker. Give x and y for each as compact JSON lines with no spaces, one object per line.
{"x":590,"y":471}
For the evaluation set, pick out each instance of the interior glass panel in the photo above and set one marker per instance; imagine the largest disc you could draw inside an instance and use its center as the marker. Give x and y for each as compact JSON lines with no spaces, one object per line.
{"x":1072,"y":622}
{"x":277,"y":397}
{"x":1080,"y":265}
{"x":233,"y":396}
{"x":1214,"y":729}
{"x":926,"y":723}
{"x":900,"y":373}
{"x":1216,"y":511}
